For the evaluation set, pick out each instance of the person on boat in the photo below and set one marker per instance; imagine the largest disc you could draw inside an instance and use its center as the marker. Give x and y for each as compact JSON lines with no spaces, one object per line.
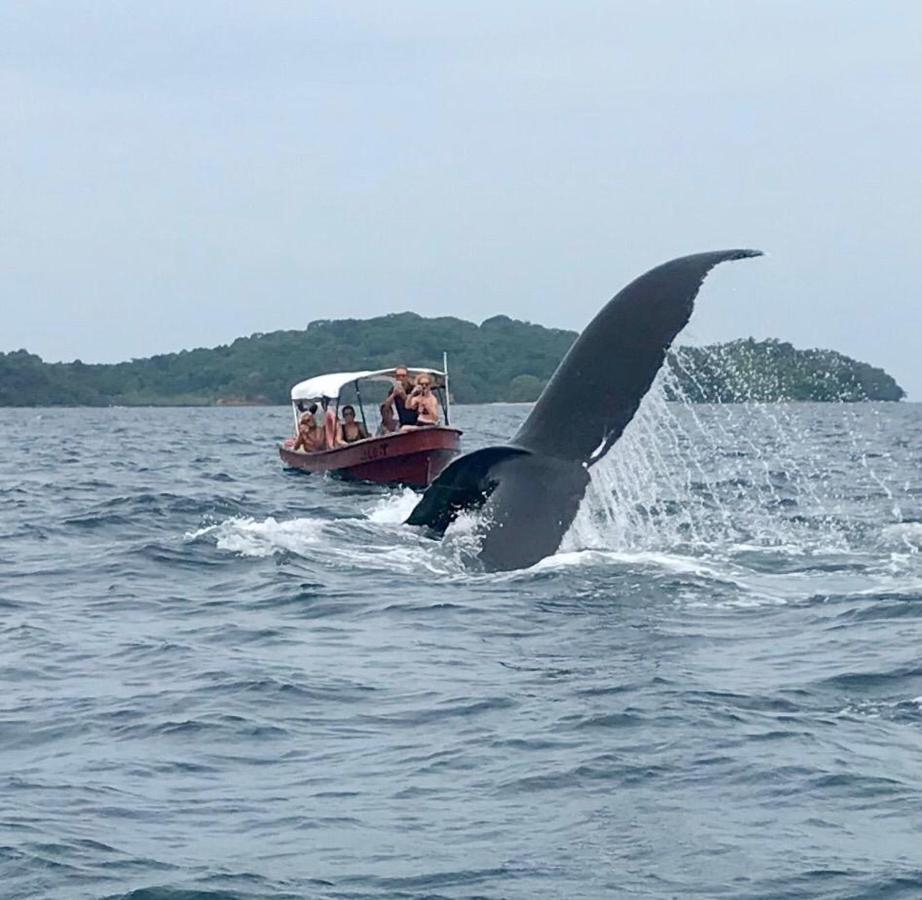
{"x":389,"y":423}
{"x":349,"y":431}
{"x":424,"y":403}
{"x":310,"y":437}
{"x":394,"y":410}
{"x":330,"y":427}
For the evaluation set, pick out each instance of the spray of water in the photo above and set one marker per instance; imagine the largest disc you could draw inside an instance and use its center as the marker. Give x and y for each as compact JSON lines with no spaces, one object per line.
{"x":710,"y":479}
{"x":689,"y":485}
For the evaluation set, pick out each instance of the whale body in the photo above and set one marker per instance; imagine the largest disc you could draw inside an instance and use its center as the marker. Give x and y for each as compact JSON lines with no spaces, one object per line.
{"x":529,"y":490}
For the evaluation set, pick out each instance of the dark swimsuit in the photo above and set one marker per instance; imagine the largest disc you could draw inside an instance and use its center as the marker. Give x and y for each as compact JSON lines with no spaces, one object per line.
{"x":358,"y":435}
{"x":404,"y":416}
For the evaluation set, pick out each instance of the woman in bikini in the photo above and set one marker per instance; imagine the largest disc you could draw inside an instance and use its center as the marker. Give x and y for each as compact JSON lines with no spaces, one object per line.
{"x":349,"y":430}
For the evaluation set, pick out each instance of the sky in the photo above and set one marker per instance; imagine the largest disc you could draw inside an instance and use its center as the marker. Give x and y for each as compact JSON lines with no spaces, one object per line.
{"x":178,"y":174}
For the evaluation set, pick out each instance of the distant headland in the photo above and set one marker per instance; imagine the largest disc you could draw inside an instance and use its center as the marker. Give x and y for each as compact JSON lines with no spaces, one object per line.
{"x":501,"y":359}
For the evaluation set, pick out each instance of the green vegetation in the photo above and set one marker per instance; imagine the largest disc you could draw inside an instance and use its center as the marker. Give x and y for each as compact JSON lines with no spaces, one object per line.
{"x":501,"y":359}
{"x":749,"y":370}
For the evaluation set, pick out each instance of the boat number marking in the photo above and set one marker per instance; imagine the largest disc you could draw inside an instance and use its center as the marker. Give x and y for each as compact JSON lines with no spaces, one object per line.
{"x":374,"y":452}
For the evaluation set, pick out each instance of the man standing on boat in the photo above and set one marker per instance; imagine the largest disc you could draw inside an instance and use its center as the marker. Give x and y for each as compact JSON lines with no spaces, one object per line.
{"x":396,"y":402}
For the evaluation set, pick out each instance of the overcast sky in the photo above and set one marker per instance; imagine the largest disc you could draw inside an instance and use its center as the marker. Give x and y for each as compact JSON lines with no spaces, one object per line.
{"x":178,"y":174}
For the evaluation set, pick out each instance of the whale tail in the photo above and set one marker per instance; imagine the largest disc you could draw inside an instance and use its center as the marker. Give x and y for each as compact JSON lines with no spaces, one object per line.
{"x":533,"y":486}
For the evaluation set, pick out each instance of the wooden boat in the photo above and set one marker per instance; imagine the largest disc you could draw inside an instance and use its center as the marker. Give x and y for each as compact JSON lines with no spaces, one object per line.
{"x":412,"y":457}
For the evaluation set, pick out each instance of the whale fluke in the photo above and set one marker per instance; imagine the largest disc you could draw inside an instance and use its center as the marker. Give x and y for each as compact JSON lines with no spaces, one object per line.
{"x":531,"y":489}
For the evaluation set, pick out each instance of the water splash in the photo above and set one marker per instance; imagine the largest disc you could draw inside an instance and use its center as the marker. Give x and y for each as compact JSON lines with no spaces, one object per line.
{"x":394,"y":509}
{"x":249,"y":537}
{"x":711,"y":479}
{"x":740,"y":482}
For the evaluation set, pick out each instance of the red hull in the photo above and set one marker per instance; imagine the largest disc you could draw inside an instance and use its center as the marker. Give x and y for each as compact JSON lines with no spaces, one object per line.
{"x":413,"y":458}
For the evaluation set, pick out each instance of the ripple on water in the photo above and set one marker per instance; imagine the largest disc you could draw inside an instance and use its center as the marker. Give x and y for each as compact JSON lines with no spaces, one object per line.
{"x":224,"y":682}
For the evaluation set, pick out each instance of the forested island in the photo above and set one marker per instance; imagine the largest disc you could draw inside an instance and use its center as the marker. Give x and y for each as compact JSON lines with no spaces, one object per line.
{"x":501,"y":359}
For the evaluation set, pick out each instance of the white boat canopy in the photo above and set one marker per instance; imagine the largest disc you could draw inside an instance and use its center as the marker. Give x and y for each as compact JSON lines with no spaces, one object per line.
{"x":328,"y":386}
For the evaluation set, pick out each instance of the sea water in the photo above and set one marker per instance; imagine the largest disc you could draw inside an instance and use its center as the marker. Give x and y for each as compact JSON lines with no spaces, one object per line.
{"x":221,"y":679}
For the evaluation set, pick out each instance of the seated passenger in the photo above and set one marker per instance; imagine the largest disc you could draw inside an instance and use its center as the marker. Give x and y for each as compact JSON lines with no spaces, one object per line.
{"x":424,"y":403}
{"x":349,"y":431}
{"x":389,"y":421}
{"x":330,"y":427}
{"x":310,"y":437}
{"x":394,"y":410}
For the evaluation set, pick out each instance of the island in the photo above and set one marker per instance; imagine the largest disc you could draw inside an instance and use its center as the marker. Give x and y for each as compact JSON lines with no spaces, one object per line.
{"x":499,"y":360}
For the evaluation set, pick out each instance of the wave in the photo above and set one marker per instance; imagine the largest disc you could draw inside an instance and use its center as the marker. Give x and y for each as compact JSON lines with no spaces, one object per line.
{"x":394,"y":509}
{"x":246,"y":536}
{"x":376,"y":542}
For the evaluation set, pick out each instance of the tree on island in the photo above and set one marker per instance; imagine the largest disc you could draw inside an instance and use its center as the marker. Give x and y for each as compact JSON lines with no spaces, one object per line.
{"x":501,"y":359}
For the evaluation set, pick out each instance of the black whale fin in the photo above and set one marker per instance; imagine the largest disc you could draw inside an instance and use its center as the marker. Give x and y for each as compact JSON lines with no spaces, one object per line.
{"x":534,"y":499}
{"x":532,"y":488}
{"x":541,"y":490}
{"x":612,"y":364}
{"x":464,"y":483}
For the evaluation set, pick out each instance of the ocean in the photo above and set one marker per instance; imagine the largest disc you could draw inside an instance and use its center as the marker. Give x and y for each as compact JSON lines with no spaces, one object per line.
{"x":223,"y":680}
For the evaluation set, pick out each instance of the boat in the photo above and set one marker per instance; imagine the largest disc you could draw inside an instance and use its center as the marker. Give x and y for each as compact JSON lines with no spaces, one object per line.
{"x":412,"y":457}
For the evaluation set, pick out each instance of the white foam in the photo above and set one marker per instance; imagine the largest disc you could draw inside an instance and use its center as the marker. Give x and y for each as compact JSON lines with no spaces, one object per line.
{"x":249,"y":537}
{"x":908,"y":534}
{"x":372,"y":543}
{"x":393,"y":509}
{"x":684,"y":565}
{"x":715,"y":493}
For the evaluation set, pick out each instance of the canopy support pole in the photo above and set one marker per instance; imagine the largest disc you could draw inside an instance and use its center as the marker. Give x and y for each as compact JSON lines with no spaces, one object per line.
{"x":358,"y":396}
{"x":447,"y":395}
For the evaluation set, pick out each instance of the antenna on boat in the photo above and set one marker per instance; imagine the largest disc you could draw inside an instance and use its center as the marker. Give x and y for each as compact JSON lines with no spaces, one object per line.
{"x":447,"y":394}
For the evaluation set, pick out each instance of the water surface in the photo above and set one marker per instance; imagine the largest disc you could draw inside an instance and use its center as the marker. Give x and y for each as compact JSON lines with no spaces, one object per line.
{"x":223,"y":680}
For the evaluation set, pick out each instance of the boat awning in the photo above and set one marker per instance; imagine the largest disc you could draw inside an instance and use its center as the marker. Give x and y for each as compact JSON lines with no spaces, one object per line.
{"x":329,"y":386}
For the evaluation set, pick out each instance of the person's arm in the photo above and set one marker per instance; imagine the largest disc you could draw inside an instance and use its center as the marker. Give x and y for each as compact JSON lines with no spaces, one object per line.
{"x":388,"y":411}
{"x":414,"y":399}
{"x":395,"y":391}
